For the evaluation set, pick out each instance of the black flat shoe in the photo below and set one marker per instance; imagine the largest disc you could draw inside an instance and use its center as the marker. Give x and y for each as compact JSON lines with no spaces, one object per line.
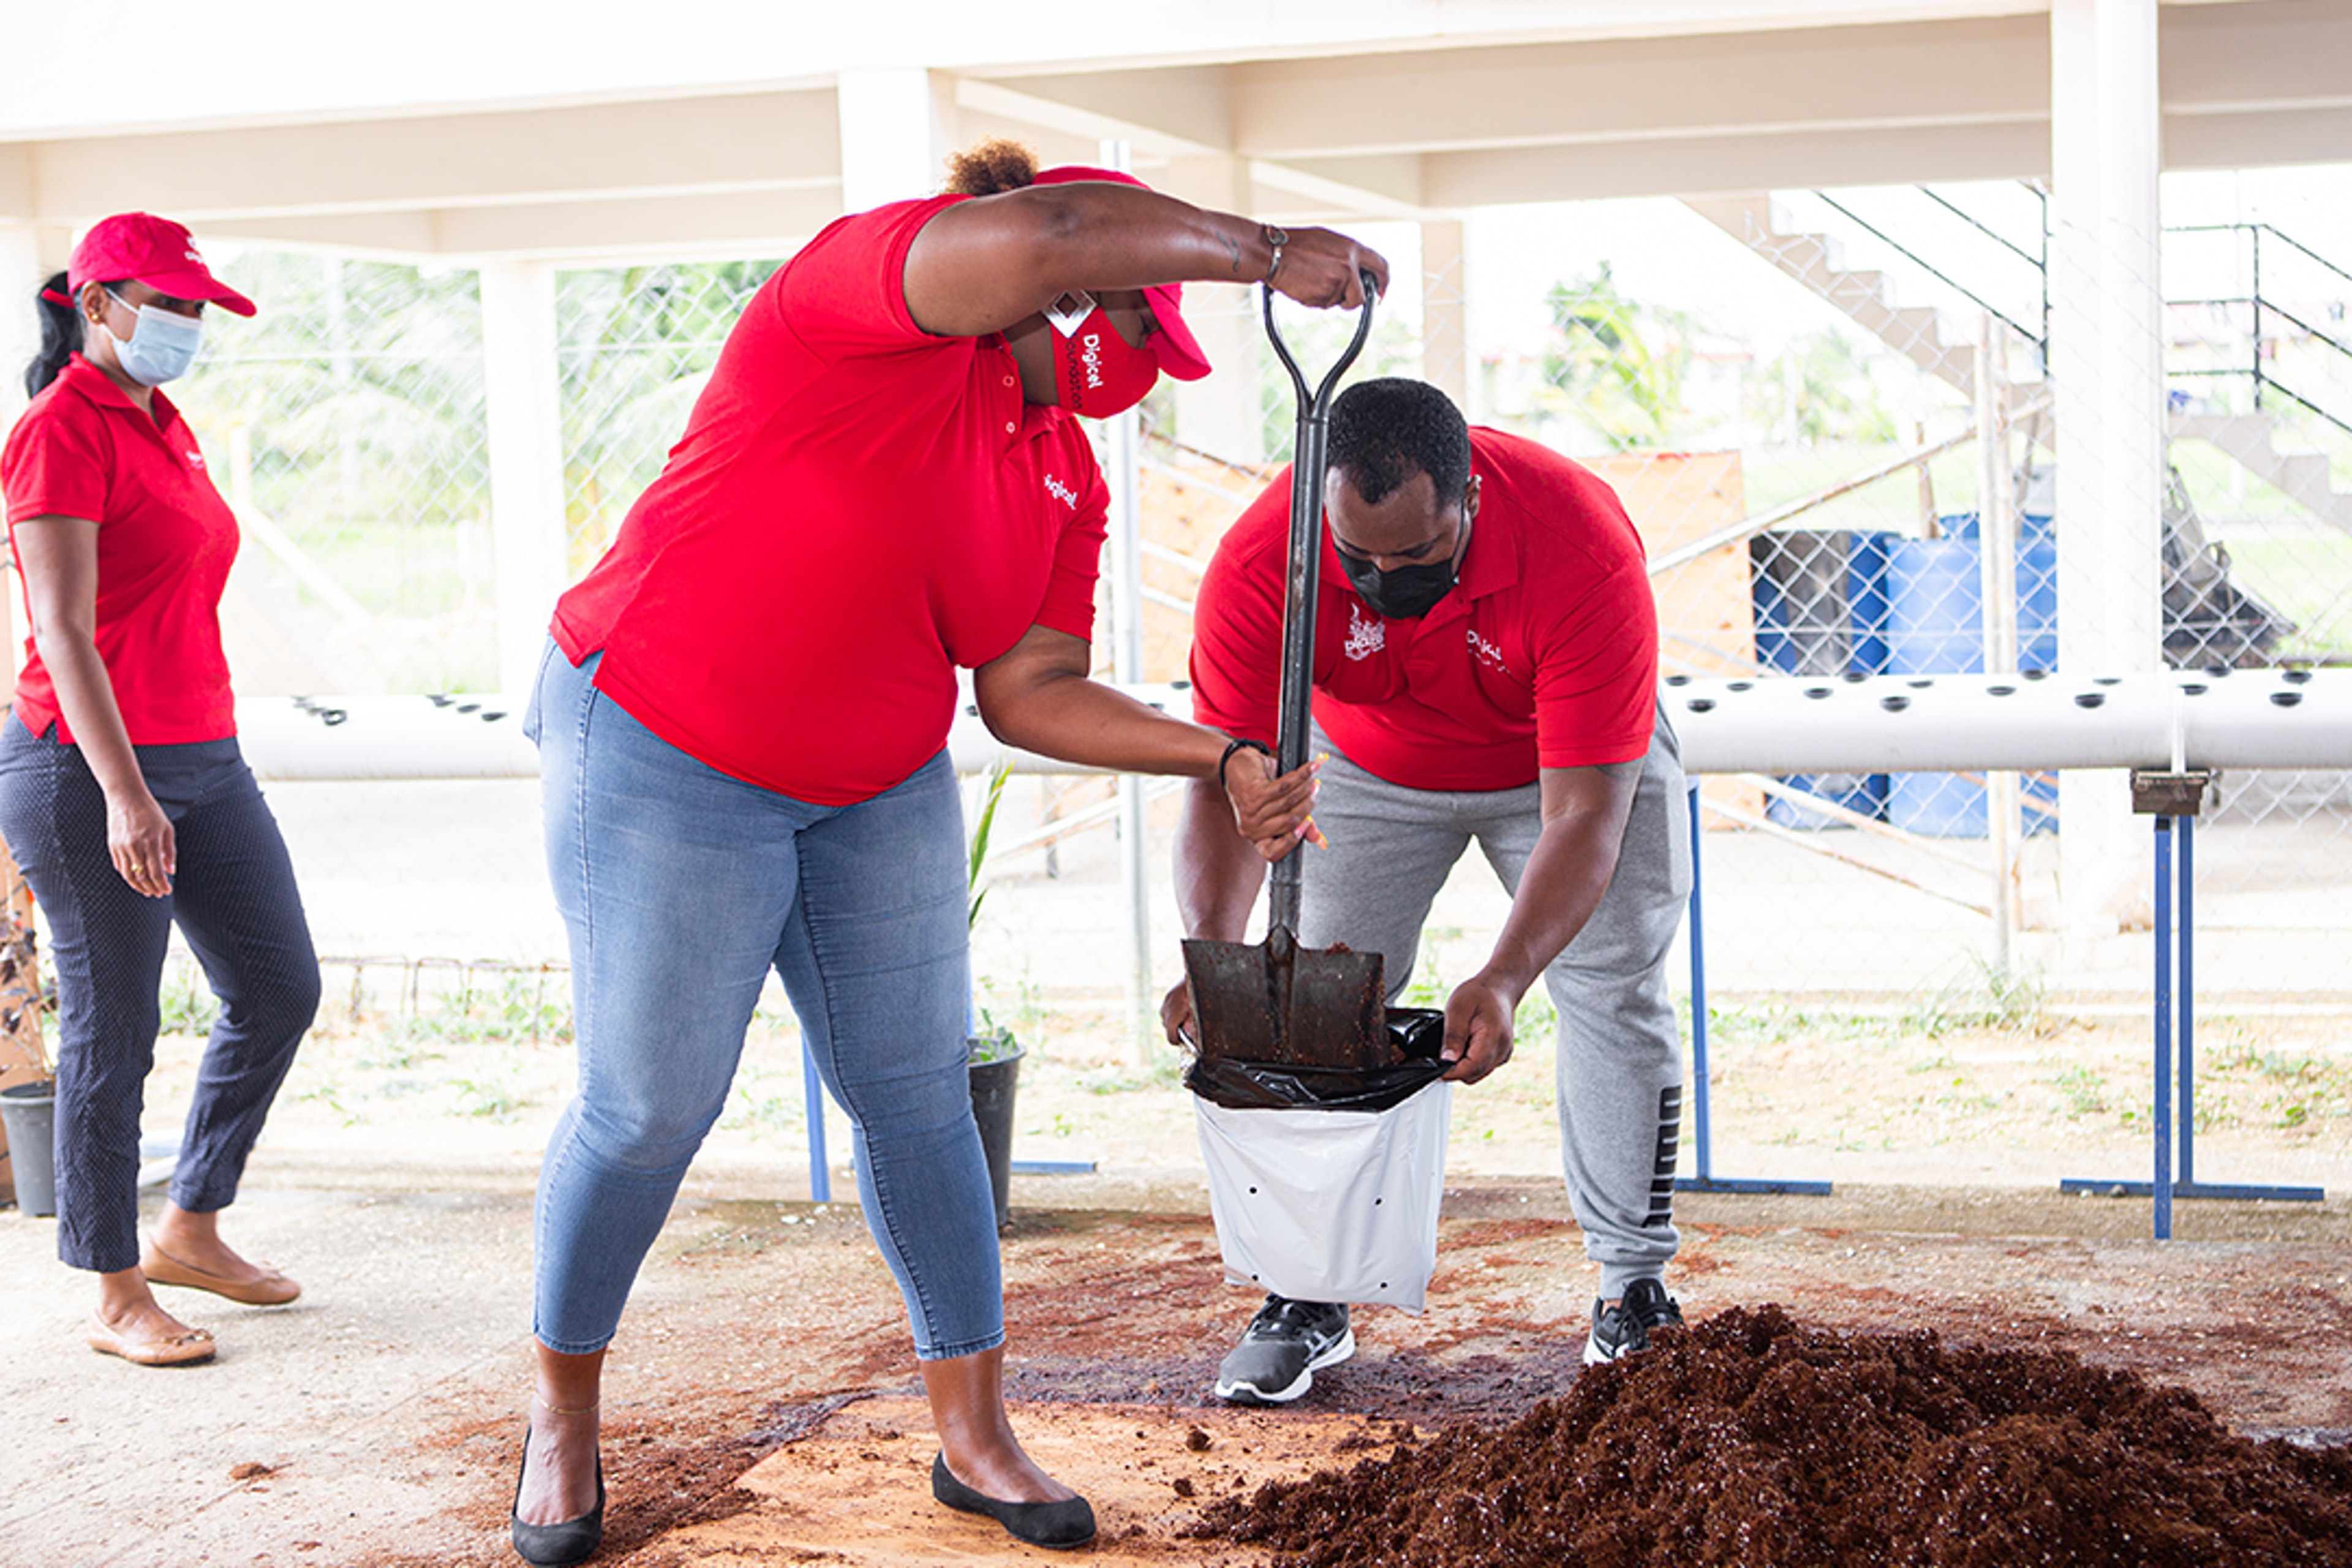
{"x":1055,"y":1525}
{"x":562,"y":1544}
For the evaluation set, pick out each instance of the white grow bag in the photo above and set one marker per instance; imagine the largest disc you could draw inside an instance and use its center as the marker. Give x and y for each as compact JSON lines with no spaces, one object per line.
{"x":1329,"y":1206}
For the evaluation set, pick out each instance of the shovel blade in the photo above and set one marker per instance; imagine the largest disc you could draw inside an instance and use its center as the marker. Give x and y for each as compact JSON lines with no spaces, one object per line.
{"x":1276,"y":1002}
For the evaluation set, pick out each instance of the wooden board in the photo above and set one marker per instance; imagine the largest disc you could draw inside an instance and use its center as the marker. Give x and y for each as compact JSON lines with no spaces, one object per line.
{"x":1706,"y":608}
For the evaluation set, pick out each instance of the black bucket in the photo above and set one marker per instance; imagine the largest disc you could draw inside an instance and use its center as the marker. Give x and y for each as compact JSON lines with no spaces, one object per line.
{"x":993,"y":1084}
{"x":29,"y":1110}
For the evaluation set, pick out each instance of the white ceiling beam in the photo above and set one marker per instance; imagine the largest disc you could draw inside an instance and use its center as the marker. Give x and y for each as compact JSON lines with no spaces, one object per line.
{"x":764,"y":141}
{"x":653,"y":229}
{"x":2253,"y":140}
{"x":1173,"y":111}
{"x":16,"y":181}
{"x":1715,"y":166}
{"x":2254,"y":57}
{"x":1922,"y":74}
{"x":1387,"y":185}
{"x":1161,"y":113}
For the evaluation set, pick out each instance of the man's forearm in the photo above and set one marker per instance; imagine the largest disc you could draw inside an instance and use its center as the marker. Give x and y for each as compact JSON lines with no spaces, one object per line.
{"x":1218,"y":872}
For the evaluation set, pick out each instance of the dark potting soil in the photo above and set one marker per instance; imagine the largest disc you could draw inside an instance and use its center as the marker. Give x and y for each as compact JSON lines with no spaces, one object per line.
{"x":1750,"y":1439}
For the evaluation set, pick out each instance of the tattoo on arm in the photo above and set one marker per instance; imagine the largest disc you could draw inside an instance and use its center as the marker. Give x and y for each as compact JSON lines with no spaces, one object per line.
{"x":1233,"y":255}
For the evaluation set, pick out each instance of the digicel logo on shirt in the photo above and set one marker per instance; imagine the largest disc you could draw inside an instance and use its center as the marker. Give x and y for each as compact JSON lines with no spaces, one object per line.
{"x":1481,"y":649}
{"x":1061,"y":492}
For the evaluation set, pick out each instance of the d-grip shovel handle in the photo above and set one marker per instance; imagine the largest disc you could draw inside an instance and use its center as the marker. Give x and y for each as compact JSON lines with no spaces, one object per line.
{"x":1307,"y":463}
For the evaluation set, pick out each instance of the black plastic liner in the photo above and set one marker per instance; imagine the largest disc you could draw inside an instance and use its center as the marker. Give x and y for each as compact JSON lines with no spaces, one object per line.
{"x":1417,"y":1033}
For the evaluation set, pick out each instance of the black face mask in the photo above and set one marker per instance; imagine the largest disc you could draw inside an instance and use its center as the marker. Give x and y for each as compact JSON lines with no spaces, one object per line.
{"x":1407,"y":593}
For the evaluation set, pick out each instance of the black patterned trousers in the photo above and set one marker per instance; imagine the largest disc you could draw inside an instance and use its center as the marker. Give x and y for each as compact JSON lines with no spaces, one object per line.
{"x":233,"y":898}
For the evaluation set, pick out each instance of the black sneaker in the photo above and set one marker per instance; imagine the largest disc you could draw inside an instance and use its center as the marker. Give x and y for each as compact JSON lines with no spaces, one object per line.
{"x":1625,"y":1328}
{"x":1275,"y":1362}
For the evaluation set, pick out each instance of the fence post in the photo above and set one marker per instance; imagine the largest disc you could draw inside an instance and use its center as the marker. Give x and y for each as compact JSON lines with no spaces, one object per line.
{"x":1997,"y":552}
{"x":1124,"y":441}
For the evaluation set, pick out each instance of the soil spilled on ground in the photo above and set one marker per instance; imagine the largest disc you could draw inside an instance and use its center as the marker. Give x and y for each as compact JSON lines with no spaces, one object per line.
{"x":1751,"y":1438}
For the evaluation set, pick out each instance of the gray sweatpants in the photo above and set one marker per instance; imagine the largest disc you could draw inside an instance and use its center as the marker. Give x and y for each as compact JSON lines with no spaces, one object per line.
{"x":1620,"y":1050}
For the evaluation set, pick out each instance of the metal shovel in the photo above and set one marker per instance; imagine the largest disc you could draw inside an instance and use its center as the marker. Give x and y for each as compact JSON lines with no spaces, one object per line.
{"x":1276,"y":1001}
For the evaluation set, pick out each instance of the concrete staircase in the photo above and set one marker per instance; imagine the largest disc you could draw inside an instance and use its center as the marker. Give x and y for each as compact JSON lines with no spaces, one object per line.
{"x":2249,"y":440}
{"x":1915,"y":331}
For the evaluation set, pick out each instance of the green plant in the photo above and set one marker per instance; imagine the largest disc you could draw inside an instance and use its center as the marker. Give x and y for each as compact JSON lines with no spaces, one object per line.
{"x":977,"y":852}
{"x":990,"y":1041}
{"x":187,"y":1004}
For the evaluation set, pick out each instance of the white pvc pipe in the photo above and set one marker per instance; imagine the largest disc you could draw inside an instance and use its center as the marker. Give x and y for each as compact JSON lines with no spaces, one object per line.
{"x":1787,"y":724}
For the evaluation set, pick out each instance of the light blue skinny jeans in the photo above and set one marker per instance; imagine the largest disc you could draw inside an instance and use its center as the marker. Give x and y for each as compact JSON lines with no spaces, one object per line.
{"x":681,"y":886}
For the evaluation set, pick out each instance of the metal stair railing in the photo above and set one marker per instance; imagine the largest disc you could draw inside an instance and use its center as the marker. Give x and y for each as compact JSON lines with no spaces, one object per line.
{"x":2258,"y":375}
{"x":2039,"y":258}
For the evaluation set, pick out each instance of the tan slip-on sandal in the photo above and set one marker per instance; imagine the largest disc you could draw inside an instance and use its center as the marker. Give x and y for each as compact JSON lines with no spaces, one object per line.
{"x":183,"y":1349}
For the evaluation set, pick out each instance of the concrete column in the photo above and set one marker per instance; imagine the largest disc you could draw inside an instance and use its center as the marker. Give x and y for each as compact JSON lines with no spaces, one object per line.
{"x":898,"y":126}
{"x":526,"y":449}
{"x":2107,"y":369}
{"x":1446,"y":360}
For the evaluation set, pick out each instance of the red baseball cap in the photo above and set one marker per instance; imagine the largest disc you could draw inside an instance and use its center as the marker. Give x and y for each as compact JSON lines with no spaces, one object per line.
{"x":1173,"y":345}
{"x":152,"y":251}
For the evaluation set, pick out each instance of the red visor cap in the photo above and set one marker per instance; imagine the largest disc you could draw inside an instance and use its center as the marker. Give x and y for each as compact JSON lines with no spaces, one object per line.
{"x":1173,"y":345}
{"x":152,"y":251}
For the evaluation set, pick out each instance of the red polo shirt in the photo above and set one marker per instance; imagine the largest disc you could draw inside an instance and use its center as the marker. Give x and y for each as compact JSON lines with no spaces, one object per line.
{"x":1545,"y":655}
{"x":165,"y":542}
{"x":856,"y":508}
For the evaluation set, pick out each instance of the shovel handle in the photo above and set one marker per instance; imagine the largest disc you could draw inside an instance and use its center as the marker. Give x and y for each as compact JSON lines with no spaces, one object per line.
{"x":1306,"y":465}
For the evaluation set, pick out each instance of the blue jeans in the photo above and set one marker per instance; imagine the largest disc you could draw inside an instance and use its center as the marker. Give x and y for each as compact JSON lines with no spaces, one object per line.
{"x":233,"y":898}
{"x":681,"y":886}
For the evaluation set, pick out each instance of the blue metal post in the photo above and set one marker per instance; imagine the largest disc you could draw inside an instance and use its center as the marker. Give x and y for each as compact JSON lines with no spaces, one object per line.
{"x":1698,"y":1003}
{"x":812,"y":1093}
{"x":2186,"y":827}
{"x":2163,"y":1098}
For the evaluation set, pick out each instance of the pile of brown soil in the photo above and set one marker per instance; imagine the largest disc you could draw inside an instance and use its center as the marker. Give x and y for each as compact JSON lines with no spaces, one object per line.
{"x":1750,"y":1439}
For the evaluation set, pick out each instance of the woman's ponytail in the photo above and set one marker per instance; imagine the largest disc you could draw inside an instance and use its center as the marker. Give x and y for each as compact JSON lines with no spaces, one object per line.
{"x":61,"y":335}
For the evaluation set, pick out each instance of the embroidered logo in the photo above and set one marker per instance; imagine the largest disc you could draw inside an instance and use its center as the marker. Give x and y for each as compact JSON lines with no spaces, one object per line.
{"x":1486,"y":652}
{"x":195,"y":460}
{"x":1062,"y":492}
{"x":1365,"y":638}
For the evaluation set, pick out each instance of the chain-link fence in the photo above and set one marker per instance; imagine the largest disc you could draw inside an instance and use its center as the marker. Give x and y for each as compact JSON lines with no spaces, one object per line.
{"x":1888,"y":574}
{"x":1804,"y":452}
{"x":346,"y":425}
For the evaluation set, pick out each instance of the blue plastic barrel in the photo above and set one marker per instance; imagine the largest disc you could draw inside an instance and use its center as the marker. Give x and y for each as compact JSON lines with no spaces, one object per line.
{"x":1805,"y":586}
{"x":1934,"y":625}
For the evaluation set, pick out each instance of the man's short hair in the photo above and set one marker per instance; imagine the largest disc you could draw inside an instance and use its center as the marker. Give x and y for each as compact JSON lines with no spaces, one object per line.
{"x":1385,"y":431}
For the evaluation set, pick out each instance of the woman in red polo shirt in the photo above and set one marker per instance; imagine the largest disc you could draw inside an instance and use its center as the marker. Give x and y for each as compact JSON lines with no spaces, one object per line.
{"x":122,"y":794}
{"x":741,"y":723}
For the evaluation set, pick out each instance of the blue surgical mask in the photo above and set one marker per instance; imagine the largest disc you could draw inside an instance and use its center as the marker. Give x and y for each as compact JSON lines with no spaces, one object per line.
{"x":162,"y":347}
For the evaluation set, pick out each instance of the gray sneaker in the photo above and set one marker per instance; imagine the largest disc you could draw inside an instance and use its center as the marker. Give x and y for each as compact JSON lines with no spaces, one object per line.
{"x":1625,"y":1328}
{"x":1280,"y":1351}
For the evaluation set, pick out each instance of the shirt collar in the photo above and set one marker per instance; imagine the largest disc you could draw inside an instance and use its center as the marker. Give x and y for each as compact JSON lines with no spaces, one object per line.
{"x":98,"y":387}
{"x":1036,"y":419}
